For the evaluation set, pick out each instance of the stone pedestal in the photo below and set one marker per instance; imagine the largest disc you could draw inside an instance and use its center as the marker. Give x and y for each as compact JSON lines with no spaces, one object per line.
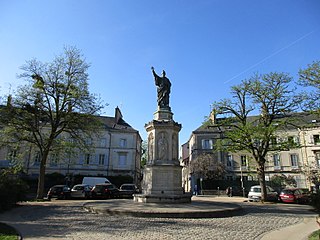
{"x":162,"y":180}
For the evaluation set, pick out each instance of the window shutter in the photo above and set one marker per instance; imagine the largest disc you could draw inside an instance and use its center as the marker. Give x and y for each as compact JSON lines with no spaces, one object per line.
{"x":96,"y":159}
{"x":211,"y":144}
{"x":81,"y":159}
{"x":311,"y":140}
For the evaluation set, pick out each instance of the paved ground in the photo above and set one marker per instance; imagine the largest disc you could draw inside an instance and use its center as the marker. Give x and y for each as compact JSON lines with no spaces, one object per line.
{"x":68,"y":220}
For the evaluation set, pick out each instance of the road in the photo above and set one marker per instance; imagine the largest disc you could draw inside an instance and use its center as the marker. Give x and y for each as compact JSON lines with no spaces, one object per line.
{"x":65,"y":219}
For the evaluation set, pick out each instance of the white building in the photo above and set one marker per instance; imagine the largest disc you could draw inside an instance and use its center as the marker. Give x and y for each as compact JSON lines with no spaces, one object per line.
{"x":298,"y":162}
{"x":116,"y":152}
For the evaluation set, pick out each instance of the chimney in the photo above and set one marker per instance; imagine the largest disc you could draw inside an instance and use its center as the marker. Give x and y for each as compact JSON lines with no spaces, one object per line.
{"x":9,"y":101}
{"x":118,"y":115}
{"x":213,"y":116}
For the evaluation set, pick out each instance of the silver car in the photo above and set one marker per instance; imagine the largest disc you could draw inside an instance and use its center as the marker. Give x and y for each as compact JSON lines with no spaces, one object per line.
{"x":255,"y":194}
{"x":81,"y":191}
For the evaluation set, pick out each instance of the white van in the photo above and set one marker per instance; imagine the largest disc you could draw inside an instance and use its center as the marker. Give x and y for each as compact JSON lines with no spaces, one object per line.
{"x":92,"y":181}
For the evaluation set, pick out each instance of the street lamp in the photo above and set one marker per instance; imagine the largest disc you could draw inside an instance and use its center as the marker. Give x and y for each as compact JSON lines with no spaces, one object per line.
{"x":241,"y":179}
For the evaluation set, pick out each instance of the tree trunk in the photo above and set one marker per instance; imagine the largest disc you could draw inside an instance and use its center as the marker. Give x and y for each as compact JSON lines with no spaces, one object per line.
{"x":42,"y":172}
{"x":262,"y":182}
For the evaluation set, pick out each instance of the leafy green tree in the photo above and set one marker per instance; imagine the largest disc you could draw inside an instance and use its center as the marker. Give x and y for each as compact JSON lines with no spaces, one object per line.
{"x":267,"y":97}
{"x":281,"y":180}
{"x":55,"y":102}
{"x":310,"y":79}
{"x":144,"y":156}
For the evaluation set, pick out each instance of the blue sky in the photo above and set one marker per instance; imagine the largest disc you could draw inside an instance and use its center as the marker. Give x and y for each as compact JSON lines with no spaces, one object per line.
{"x":204,"y":46}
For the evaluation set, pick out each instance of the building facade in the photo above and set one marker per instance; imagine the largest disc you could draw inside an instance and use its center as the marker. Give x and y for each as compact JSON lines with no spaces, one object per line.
{"x":117,"y":151}
{"x":300,"y":162}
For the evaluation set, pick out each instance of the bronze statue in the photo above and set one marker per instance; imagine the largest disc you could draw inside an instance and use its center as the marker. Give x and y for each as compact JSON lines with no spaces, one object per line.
{"x":163,"y":88}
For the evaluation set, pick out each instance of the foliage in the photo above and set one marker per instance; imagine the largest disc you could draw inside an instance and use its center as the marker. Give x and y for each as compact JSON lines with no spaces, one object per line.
{"x":280,"y":180}
{"x":54,"y":111}
{"x":12,"y":189}
{"x":144,"y":156}
{"x":315,"y":201}
{"x":7,"y":232}
{"x":310,"y":78}
{"x":312,"y":173}
{"x":271,"y":96}
{"x":315,"y":235}
{"x":207,"y":166}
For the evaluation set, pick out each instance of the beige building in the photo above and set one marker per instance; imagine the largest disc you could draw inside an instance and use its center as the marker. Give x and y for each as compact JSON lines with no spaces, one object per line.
{"x":298,"y":162}
{"x":117,"y":151}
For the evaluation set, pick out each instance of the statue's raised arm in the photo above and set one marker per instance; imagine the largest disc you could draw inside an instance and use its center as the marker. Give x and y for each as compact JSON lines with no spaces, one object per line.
{"x":163,"y":88}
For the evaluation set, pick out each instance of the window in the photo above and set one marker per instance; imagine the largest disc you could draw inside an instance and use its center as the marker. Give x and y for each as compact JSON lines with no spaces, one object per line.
{"x":54,"y":159}
{"x":276,"y":160}
{"x":122,"y":159}
{"x":229,"y":178}
{"x":207,"y":144}
{"x":229,"y":160}
{"x":290,"y":140}
{"x":101,"y":159}
{"x":37,"y":158}
{"x":123,"y":142}
{"x":103,"y":142}
{"x":317,"y":155}
{"x":293,"y":140}
{"x":294,"y":160}
{"x":243,"y":160}
{"x":12,"y":155}
{"x":245,"y":178}
{"x":316,"y":139}
{"x":89,"y":141}
{"x":87,"y":158}
{"x":273,"y":141}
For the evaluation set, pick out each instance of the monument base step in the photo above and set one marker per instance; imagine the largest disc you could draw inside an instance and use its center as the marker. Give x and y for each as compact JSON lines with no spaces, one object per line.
{"x":157,"y":198}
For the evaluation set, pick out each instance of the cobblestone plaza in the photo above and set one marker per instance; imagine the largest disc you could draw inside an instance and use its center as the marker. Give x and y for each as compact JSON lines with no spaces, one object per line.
{"x":68,"y":220}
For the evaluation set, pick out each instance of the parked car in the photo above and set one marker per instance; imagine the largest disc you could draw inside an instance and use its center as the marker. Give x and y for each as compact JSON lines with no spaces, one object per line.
{"x":107,"y":190}
{"x":59,"y":192}
{"x":254,"y":194}
{"x":294,"y":195}
{"x":81,"y":191}
{"x":127,"y":190}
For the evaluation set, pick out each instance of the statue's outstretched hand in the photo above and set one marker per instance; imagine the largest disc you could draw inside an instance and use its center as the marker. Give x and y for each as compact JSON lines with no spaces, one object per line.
{"x":152,"y":68}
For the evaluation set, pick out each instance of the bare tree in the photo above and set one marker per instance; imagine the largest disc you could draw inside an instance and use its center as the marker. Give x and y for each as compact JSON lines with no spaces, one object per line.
{"x":54,"y":100}
{"x":207,"y":166}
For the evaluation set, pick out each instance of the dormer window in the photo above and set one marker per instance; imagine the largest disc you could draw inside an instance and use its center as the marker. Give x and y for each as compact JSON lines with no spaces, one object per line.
{"x":207,"y":144}
{"x":316,"y":139}
{"x":244,"y":162}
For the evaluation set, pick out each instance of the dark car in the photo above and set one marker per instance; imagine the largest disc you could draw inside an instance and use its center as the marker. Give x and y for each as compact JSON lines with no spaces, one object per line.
{"x":107,"y":190}
{"x":294,"y":195}
{"x":59,"y":192}
{"x":127,"y":190}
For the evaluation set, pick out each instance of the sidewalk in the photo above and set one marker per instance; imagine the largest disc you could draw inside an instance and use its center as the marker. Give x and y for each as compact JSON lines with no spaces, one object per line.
{"x":299,"y":231}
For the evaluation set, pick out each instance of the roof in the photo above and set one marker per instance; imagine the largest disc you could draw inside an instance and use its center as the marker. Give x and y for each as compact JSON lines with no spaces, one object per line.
{"x":110,"y":123}
{"x":297,"y":120}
